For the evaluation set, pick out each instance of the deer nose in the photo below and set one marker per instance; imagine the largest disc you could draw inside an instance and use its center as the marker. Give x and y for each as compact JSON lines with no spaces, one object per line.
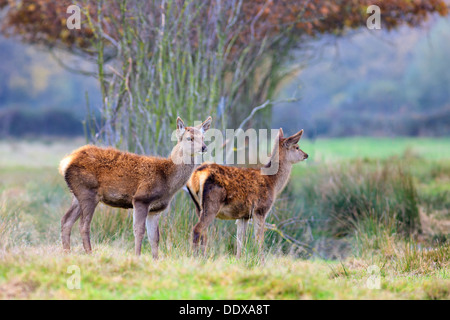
{"x":204,"y":148}
{"x":306,"y":156}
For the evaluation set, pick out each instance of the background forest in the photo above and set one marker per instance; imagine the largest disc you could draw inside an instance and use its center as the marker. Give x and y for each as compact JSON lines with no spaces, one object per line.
{"x":357,"y":82}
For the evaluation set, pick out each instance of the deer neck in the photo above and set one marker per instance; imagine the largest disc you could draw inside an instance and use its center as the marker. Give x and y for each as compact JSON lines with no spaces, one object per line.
{"x":181,"y":171}
{"x":281,"y":177}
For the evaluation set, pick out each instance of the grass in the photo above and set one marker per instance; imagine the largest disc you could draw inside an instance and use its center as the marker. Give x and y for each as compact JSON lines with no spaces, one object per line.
{"x":376,"y":148}
{"x":350,"y":194}
{"x":114,"y":273}
{"x":340,"y":229}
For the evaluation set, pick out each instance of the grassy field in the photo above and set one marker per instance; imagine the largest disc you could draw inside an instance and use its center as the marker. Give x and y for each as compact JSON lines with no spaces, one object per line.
{"x":364,"y":218}
{"x":377,"y":148}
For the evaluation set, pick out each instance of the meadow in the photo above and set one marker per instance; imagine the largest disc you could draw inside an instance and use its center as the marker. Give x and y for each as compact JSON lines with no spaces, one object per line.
{"x":363,"y":218}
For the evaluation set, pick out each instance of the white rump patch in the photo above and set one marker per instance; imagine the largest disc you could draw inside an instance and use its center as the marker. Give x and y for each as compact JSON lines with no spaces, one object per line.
{"x":64,"y":164}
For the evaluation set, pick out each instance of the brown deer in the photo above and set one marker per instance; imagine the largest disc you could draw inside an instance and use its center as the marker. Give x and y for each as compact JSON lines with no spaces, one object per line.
{"x":126,"y":180}
{"x":231,"y":193}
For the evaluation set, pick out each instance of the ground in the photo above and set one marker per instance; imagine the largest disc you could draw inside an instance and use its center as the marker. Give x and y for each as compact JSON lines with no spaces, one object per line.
{"x":33,"y":266}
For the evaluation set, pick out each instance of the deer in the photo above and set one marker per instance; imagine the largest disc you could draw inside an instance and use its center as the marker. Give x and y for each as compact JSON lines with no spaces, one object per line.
{"x":126,"y":180}
{"x":238,"y":193}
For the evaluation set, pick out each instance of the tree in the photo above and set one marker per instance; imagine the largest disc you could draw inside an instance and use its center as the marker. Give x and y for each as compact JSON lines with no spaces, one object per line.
{"x":158,"y":59}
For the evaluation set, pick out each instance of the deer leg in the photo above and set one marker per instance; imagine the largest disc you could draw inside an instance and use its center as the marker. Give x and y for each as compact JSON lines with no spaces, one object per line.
{"x":152,"y":221}
{"x":88,"y":204}
{"x":140,"y":213}
{"x":68,"y":221}
{"x":259,"y":221}
{"x":198,"y":211}
{"x":200,"y":229}
{"x":241,"y":229}
{"x":211,"y":204}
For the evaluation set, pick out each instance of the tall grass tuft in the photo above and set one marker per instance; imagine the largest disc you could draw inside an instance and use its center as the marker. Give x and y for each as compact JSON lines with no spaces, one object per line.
{"x":361,"y":198}
{"x":112,"y":225}
{"x":16,"y":229}
{"x":344,"y":202}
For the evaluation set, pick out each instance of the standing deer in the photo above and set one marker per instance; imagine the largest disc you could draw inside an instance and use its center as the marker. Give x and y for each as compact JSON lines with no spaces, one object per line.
{"x":231,"y":193}
{"x":125,"y":180}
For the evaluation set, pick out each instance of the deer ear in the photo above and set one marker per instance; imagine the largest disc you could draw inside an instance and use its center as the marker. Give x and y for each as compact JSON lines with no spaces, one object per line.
{"x":293,"y":139}
{"x":206,"y":125}
{"x":280,"y":134}
{"x":180,"y":127}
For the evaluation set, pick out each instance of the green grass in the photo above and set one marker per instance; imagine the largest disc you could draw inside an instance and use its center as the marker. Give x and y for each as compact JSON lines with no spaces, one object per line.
{"x":330,"y":150}
{"x":113,"y":273}
{"x":374,"y":187}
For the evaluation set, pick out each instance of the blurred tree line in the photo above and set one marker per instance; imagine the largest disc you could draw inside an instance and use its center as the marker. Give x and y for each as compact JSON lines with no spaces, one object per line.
{"x":394,"y":84}
{"x":35,"y":91}
{"x":159,"y":59}
{"x":25,"y":123}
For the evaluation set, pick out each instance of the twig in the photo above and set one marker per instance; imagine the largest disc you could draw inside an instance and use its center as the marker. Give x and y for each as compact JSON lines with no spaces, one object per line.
{"x":265,"y":104}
